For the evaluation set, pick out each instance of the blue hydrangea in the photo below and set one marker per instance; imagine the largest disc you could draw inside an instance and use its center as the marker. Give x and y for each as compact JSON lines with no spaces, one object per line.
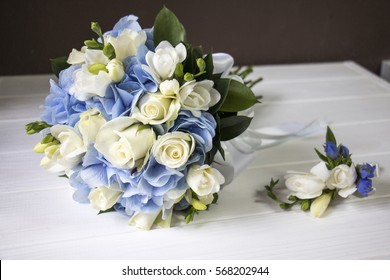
{"x":60,"y":107}
{"x":331,"y":150}
{"x":126,"y":22}
{"x":202,"y":128}
{"x":147,"y":194}
{"x":95,"y":171}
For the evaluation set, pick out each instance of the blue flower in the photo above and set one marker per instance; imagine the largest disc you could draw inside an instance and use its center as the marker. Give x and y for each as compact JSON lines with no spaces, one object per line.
{"x":82,"y":190}
{"x":147,"y":194}
{"x":149,"y":39}
{"x":344,"y":151}
{"x":126,"y":22}
{"x":367,"y":171}
{"x":96,"y":172}
{"x":135,"y":69}
{"x":364,"y":187}
{"x":60,"y":107}
{"x":119,"y":100}
{"x":202,"y":128}
{"x":331,"y":150}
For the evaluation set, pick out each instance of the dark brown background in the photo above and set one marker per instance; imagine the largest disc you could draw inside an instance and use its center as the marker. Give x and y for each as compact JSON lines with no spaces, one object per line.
{"x":254,"y":32}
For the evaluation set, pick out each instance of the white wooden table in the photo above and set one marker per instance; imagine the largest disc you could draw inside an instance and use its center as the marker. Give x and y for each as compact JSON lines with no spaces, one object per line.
{"x":39,"y":219}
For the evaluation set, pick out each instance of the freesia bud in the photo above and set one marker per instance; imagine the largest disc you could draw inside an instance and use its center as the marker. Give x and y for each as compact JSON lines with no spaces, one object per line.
{"x":115,"y":70}
{"x":320,"y":204}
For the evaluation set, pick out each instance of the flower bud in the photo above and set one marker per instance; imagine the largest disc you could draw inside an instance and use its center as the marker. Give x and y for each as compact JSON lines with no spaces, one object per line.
{"x":320,"y":204}
{"x":115,"y":70}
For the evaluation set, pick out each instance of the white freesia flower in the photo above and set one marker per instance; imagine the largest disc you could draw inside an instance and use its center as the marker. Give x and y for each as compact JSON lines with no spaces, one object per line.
{"x":64,"y":156}
{"x":170,"y":88}
{"x":155,"y":108}
{"x":165,"y":58}
{"x":127,"y":43}
{"x":89,"y":125}
{"x":173,"y":149}
{"x":144,"y":220}
{"x":204,"y":180}
{"x":87,"y":84}
{"x":95,"y":57}
{"x":320,"y":204}
{"x":125,"y":143}
{"x":103,"y":198}
{"x":343,"y":177}
{"x":196,"y":96}
{"x":308,"y":185}
{"x":77,"y":57}
{"x":115,"y":70}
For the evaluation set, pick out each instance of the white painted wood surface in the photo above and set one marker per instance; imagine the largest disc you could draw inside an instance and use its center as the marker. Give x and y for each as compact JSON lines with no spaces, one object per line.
{"x":39,"y":219}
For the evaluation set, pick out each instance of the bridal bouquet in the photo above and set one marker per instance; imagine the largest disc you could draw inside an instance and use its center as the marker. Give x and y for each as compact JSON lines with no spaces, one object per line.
{"x":335,"y":175}
{"x":137,"y":117}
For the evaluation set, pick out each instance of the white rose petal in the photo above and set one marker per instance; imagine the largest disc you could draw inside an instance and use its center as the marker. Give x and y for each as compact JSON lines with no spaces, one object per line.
{"x":155,"y":108}
{"x":165,"y":58}
{"x":90,"y":123}
{"x":174,"y":149}
{"x":204,"y":180}
{"x":195,"y":96}
{"x":343,"y":177}
{"x":127,"y":43}
{"x":103,"y":198}
{"x":125,"y":143}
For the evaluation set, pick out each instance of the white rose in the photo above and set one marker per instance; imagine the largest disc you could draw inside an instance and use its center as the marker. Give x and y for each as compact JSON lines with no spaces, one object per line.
{"x":87,"y":84}
{"x":155,"y":108}
{"x":124,"y":142}
{"x":308,"y":185}
{"x":170,"y":88}
{"x":103,"y":198}
{"x":165,"y":58}
{"x":343,"y":177}
{"x":320,"y":204}
{"x":64,"y":156}
{"x":195,"y":96}
{"x":174,"y":149}
{"x":115,"y":70}
{"x":204,"y":180}
{"x":127,"y":43}
{"x":89,"y":125}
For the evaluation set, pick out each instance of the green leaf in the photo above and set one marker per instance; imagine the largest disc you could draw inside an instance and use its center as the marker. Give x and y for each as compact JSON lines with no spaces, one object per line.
{"x":222,"y":86}
{"x":109,"y":51}
{"x":168,"y":27}
{"x":112,"y":209}
{"x":216,"y":144}
{"x":239,"y":98}
{"x":58,"y":64}
{"x":231,"y":127}
{"x":209,"y":66}
{"x":190,"y":64}
{"x":189,"y":217}
{"x":330,"y":136}
{"x":321,"y":156}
